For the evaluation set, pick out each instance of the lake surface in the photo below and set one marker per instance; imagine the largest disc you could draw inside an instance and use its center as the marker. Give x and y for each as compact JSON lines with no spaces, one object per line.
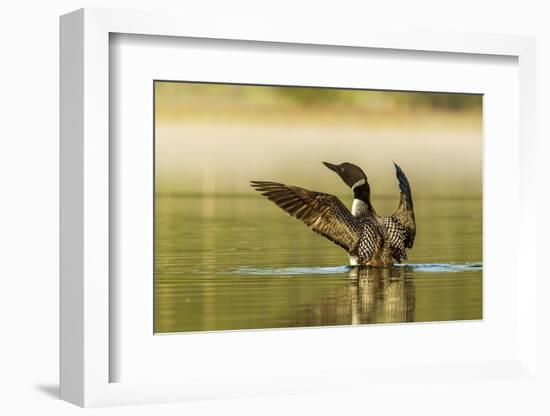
{"x":239,"y":262}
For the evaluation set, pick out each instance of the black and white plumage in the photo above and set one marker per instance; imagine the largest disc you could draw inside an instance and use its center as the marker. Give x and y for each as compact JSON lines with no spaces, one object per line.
{"x":400,"y":228}
{"x":369,"y":239}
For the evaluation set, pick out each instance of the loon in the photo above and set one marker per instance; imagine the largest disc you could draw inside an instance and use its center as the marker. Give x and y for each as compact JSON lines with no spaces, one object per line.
{"x":370,"y":240}
{"x":401,"y":226}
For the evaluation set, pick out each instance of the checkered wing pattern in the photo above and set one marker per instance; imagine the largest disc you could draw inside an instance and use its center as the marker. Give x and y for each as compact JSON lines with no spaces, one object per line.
{"x":401,"y":225}
{"x":397,"y":236}
{"x":323,"y":213}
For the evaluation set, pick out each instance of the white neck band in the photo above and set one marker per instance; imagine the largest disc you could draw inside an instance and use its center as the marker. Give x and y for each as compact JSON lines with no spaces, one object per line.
{"x":358,"y":183}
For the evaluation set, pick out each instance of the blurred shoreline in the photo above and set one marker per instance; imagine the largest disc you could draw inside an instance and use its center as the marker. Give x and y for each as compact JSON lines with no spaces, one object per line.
{"x":467,"y":120}
{"x":212,"y":139}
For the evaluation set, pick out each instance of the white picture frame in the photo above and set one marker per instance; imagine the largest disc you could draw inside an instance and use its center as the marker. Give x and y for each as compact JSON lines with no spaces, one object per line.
{"x":86,"y":355}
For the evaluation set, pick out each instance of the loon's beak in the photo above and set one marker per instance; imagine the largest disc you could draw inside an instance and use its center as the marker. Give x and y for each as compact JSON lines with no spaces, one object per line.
{"x":331,"y":166}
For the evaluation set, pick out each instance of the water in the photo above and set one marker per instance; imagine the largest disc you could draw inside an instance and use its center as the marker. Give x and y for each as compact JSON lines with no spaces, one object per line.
{"x":239,"y":262}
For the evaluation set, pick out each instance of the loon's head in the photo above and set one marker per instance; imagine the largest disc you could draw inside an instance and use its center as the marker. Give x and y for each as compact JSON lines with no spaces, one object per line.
{"x":351,"y":174}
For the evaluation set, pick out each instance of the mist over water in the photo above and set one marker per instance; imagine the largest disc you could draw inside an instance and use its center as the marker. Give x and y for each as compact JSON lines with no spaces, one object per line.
{"x":213,"y":139}
{"x":225,"y":158}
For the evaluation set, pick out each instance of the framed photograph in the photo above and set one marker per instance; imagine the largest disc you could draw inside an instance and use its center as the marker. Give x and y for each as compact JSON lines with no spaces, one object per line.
{"x":264,"y":212}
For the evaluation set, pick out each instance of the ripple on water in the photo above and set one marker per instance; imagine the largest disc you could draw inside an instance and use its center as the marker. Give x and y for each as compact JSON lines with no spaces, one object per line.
{"x":442,"y":267}
{"x":294,"y":271}
{"x":268,"y":271}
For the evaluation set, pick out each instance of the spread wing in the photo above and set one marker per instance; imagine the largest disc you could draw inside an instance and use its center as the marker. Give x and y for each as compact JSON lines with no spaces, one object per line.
{"x":324,"y":213}
{"x":398,"y":238}
{"x":403,"y":222}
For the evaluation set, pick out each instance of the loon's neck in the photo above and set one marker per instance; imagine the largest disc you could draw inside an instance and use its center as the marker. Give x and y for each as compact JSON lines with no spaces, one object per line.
{"x":361,"y":203}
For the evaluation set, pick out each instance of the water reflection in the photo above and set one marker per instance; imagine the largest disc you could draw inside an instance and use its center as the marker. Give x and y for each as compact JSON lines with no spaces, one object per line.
{"x":229,"y":263}
{"x":371,"y":295}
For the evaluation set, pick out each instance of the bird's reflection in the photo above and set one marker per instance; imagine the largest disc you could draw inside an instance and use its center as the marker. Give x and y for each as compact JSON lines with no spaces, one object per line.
{"x":370,"y":295}
{"x":381,"y":295}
